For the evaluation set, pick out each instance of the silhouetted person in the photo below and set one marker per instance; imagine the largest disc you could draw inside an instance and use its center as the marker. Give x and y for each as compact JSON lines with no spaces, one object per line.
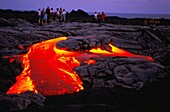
{"x":99,"y":17}
{"x":146,"y":22}
{"x":48,"y":15}
{"x":42,"y":17}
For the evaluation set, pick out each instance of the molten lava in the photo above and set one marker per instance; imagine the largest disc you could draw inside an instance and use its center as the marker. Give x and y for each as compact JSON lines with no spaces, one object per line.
{"x":49,"y":70}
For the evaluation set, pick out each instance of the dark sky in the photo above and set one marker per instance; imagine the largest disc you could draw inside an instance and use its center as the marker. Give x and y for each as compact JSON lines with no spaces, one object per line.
{"x":114,"y":6}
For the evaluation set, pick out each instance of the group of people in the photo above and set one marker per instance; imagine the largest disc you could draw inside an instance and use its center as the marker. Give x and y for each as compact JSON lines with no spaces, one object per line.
{"x":152,"y":21}
{"x":48,"y":14}
{"x":45,"y":16}
{"x":99,"y":17}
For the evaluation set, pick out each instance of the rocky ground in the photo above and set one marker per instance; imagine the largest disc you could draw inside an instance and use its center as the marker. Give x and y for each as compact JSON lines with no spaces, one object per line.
{"x":112,"y":84}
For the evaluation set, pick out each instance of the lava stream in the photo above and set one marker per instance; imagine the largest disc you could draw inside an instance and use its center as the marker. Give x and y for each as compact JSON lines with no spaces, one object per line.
{"x":49,"y":70}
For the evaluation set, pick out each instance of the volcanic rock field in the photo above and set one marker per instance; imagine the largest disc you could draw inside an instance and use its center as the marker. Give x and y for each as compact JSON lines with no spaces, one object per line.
{"x":119,"y":83}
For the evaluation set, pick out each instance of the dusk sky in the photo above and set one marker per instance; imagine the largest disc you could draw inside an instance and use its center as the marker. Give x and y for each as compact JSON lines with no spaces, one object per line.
{"x":114,"y":6}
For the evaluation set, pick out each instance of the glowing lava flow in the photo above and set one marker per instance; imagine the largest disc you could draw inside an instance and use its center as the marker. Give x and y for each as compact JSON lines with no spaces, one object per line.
{"x":49,"y":70}
{"x":119,"y":52}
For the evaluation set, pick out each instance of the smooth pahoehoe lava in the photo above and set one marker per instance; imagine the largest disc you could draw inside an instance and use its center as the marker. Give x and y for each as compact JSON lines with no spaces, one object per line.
{"x":49,"y":70}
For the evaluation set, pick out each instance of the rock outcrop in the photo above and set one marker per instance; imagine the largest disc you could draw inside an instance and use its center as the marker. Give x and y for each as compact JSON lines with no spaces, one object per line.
{"x":20,"y":102}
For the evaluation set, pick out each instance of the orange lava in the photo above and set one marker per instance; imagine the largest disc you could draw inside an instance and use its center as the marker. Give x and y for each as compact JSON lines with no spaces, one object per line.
{"x":119,"y":52}
{"x":49,"y":70}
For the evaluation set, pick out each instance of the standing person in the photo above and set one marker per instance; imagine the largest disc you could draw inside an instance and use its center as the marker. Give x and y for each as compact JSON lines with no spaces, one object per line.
{"x":64,"y":15}
{"x":145,"y":22}
{"x":61,"y":14}
{"x":48,"y":14}
{"x":95,"y":17}
{"x":45,"y":17}
{"x":42,"y":17}
{"x":54,"y":16}
{"x":39,"y":15}
{"x":57,"y":14}
{"x":99,"y":17}
{"x":51,"y":14}
{"x":103,"y":17}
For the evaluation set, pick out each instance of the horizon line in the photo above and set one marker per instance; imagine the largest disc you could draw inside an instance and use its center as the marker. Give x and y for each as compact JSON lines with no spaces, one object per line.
{"x":93,"y":12}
